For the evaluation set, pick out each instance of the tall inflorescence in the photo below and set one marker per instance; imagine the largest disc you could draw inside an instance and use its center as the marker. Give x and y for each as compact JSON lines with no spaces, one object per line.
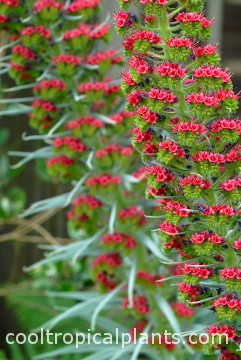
{"x":78,"y":111}
{"x":189,"y":140}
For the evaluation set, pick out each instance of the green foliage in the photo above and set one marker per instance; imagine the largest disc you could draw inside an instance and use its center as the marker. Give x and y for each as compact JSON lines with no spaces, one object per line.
{"x":12,"y":199}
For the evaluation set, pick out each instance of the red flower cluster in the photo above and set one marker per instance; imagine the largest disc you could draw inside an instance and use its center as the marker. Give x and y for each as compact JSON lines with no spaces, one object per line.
{"x":171,"y":146}
{"x":70,"y":143}
{"x":237,"y":244}
{"x":161,"y":174}
{"x":40,"y":30}
{"x":41,"y":4}
{"x":212,"y":71}
{"x":46,"y":84}
{"x":214,"y":99}
{"x":171,"y":69}
{"x":140,"y":304}
{"x":130,"y":212}
{"x":230,"y":273}
{"x":186,"y":17}
{"x":119,"y":117}
{"x":24,"y":51}
{"x":146,"y":114}
{"x":162,"y":95}
{"x":110,"y":260}
{"x":141,"y":40}
{"x":89,"y":200}
{"x":101,"y":56}
{"x":227,"y":355}
{"x":103,"y":180}
{"x":119,"y":238}
{"x":169,"y":228}
{"x":159,"y":2}
{"x":134,"y":97}
{"x":83,"y":29}
{"x":118,"y":149}
{"x":214,"y":158}
{"x":108,"y":281}
{"x":98,"y":86}
{"x":45,"y":105}
{"x":195,"y":181}
{"x":43,"y":115}
{"x":180,"y":42}
{"x":13,"y":3}
{"x":174,"y":244}
{"x":62,"y":159}
{"x":17,"y":67}
{"x":222,"y":329}
{"x":199,"y":238}
{"x":176,"y":207}
{"x":84,"y":205}
{"x":150,"y":36}
{"x":86,"y":119}
{"x":201,"y":272}
{"x":190,"y":126}
{"x":123,"y":18}
{"x":206,"y":50}
{"x":231,"y":184}
{"x":141,"y":66}
{"x":3,"y":19}
{"x":182,"y":309}
{"x":234,"y":154}
{"x":78,"y":5}
{"x":229,"y":300}
{"x":68,"y":59}
{"x":226,"y":124}
{"x":222,"y":209}
{"x":189,"y":289}
{"x":141,"y":136}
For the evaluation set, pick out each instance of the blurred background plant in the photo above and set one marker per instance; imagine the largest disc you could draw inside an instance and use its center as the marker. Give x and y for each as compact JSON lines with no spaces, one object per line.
{"x":62,"y":276}
{"x":12,"y":198}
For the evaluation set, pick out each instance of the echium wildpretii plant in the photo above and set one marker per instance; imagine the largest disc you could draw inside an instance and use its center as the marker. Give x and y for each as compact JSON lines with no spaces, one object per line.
{"x":77,"y":110}
{"x":190,"y":141}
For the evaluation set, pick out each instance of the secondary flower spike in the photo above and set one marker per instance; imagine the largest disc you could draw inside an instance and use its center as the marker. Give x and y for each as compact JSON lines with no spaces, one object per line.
{"x":189,"y":139}
{"x":57,"y":49}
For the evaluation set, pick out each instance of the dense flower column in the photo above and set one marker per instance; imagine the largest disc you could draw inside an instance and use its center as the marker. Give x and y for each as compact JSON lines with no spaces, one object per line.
{"x":190,"y":142}
{"x":10,"y":10}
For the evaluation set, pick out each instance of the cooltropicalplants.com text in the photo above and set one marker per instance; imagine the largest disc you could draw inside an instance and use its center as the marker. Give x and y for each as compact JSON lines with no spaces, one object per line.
{"x":79,"y":338}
